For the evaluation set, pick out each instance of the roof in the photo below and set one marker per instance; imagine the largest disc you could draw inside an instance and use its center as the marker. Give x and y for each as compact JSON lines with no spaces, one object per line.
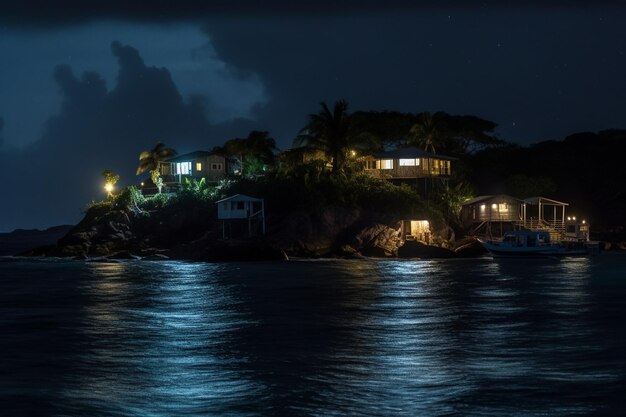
{"x":239,"y":197}
{"x":535,"y":201}
{"x":407,"y":153}
{"x":190,"y":156}
{"x":490,"y":197}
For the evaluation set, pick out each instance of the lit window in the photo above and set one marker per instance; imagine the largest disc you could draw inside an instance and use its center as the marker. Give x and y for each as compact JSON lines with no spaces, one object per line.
{"x":407,"y":162}
{"x":503,"y":208}
{"x":183,"y":168}
{"x":384,"y":164}
{"x":198,"y":166}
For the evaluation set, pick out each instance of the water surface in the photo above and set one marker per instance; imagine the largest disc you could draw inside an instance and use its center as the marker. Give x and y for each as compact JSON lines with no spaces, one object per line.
{"x":438,"y":338}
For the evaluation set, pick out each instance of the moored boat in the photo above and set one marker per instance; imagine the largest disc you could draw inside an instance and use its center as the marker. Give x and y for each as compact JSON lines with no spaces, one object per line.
{"x":535,"y":243}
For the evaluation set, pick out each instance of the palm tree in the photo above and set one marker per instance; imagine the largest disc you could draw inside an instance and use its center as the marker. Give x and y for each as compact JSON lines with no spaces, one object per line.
{"x":331,"y":132}
{"x":149,"y":160}
{"x":255,"y":152}
{"x":427,"y":132}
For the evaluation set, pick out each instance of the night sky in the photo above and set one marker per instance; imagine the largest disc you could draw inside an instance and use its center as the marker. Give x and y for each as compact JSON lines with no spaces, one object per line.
{"x":87,"y":87}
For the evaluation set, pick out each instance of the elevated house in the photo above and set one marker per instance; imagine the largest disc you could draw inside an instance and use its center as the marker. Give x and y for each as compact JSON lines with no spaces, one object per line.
{"x":198,"y":164}
{"x":495,"y":214}
{"x":481,"y":213}
{"x":241,"y":215}
{"x":408,"y":164}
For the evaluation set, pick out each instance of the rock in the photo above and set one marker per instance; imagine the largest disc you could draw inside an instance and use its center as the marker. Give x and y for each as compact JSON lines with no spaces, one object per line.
{"x":348,"y":252}
{"x":377,"y":240}
{"x":156,"y":257}
{"x":123,"y":255}
{"x":469,"y":248}
{"x":415,"y":249}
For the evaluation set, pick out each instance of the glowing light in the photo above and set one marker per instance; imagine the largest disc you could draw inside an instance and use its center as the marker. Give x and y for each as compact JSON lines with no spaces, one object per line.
{"x":142,"y":184}
{"x":482,"y":207}
{"x":108,"y":187}
{"x":353,"y":153}
{"x":569,"y":218}
{"x":494,"y":206}
{"x":584,"y":221}
{"x":574,"y":218}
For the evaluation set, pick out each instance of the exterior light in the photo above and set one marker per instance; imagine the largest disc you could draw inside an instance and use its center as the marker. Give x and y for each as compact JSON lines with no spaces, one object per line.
{"x":574,"y":218}
{"x":569,"y":218}
{"x":584,"y":221}
{"x":353,"y":153}
{"x":108,"y":187}
{"x":494,"y":206}
{"x":482,"y":207}
{"x":142,"y":183}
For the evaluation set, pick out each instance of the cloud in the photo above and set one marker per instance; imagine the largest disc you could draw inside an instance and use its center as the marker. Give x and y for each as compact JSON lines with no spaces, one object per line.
{"x":97,"y":128}
{"x":42,"y":13}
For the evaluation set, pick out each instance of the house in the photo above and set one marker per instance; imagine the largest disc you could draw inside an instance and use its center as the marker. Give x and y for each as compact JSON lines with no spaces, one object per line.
{"x":241,"y":215}
{"x":480,"y":213}
{"x":498,"y":213}
{"x":408,"y":163}
{"x":198,"y":164}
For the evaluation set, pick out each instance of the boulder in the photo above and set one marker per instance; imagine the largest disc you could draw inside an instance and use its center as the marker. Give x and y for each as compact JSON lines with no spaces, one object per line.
{"x":377,"y":240}
{"x":415,"y":249}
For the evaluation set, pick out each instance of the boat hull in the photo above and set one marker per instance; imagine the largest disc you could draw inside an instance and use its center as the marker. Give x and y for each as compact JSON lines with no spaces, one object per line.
{"x":498,"y":250}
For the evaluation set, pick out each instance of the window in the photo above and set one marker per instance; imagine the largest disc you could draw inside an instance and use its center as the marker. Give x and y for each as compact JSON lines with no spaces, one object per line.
{"x":409,"y":162}
{"x":183,"y":168}
{"x":216,"y":167}
{"x":503,"y":208}
{"x":384,"y":164}
{"x":198,"y":166}
{"x":370,"y":164}
{"x":237,"y":205}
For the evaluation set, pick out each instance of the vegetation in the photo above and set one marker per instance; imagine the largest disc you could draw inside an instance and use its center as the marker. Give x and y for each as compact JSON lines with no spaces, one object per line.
{"x":110,"y":179}
{"x":332,"y":133}
{"x":149,"y":160}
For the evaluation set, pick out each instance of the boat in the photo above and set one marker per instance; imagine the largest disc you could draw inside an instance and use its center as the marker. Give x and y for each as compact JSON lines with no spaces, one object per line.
{"x":535,"y":243}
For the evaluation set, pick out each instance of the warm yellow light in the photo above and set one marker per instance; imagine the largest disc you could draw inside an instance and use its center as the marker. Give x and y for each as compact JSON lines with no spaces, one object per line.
{"x":142,"y":184}
{"x":584,"y":221}
{"x":482,"y":207}
{"x":569,"y":218}
{"x":198,"y":166}
{"x":494,"y":206}
{"x":108,"y":187}
{"x":574,"y":218}
{"x":353,"y":153}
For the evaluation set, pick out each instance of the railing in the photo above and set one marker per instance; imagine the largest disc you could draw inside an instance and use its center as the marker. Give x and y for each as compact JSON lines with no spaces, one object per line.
{"x":555,"y":228}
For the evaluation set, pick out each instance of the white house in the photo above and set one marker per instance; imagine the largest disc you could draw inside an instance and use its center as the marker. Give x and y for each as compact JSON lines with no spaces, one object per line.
{"x":238,"y":208}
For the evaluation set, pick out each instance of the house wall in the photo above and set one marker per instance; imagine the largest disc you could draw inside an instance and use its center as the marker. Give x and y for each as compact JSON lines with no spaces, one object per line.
{"x":237,"y":209}
{"x":495,"y":210}
{"x":424,"y":168}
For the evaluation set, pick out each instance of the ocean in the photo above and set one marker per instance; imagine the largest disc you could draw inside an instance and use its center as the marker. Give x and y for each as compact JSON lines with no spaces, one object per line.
{"x":471,"y":337}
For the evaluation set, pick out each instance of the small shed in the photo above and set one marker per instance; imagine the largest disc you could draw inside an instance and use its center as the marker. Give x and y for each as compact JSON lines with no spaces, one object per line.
{"x":239,"y":213}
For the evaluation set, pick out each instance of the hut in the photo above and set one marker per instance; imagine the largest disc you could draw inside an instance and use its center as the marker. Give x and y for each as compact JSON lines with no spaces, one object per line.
{"x":241,"y":216}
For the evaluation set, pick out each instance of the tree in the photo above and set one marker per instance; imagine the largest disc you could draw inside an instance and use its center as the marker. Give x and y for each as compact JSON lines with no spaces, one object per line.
{"x":428,"y":131}
{"x":110,"y":179}
{"x":149,"y":160}
{"x":332,"y":133}
{"x":156,"y":178}
{"x":255,"y":153}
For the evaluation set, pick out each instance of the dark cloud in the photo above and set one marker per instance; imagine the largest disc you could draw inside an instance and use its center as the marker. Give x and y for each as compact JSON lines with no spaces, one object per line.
{"x":525,"y":71}
{"x":97,"y":129}
{"x":62,"y":12}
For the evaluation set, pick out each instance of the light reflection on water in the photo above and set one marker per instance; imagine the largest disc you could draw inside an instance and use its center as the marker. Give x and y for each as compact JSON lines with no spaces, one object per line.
{"x":313,"y":338}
